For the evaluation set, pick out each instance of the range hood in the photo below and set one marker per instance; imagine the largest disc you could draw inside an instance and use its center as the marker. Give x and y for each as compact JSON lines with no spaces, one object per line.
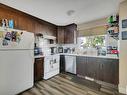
{"x":49,"y":37}
{"x":45,"y":36}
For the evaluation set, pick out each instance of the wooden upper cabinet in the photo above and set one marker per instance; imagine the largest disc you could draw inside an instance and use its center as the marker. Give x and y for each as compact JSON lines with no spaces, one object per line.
{"x":60,"y":34}
{"x":67,"y":34}
{"x":24,"y":21}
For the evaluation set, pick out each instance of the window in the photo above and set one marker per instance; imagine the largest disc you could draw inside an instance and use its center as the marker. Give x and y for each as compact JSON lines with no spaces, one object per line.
{"x":91,"y":41}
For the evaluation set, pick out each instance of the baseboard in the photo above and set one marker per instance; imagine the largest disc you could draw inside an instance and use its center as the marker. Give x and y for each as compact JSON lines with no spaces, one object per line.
{"x":122,"y":90}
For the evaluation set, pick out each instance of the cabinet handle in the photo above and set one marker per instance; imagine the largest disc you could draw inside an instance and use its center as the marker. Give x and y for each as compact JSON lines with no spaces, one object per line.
{"x":101,"y":66}
{"x":51,"y":63}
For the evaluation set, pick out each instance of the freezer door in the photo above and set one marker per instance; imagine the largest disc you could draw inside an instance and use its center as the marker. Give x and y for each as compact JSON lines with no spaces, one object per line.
{"x":16,"y":71}
{"x":26,"y":40}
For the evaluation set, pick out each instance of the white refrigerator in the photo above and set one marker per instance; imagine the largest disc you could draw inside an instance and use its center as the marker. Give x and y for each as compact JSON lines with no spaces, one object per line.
{"x":16,"y":61}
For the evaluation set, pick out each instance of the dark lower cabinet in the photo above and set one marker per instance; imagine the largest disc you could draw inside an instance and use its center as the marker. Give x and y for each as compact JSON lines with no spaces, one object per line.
{"x":38,"y":69}
{"x":87,"y":66}
{"x":100,"y":70}
{"x":81,"y":68}
{"x":103,"y":69}
{"x":92,"y":67}
{"x":109,"y":70}
{"x":62,"y":63}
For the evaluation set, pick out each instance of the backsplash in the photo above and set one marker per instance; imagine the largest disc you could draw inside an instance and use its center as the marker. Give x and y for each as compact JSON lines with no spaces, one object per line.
{"x":45,"y":45}
{"x":68,"y":48}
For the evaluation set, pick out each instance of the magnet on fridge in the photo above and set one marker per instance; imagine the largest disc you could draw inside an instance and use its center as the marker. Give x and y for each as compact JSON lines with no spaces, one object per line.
{"x":1,"y":35}
{"x":18,"y":34}
{"x":8,"y":36}
{"x":13,"y":33}
{"x":18,"y":37}
{"x":5,"y":42}
{"x":21,"y":33}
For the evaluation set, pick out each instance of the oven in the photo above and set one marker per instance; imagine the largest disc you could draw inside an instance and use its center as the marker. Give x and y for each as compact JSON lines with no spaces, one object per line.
{"x":51,"y":66}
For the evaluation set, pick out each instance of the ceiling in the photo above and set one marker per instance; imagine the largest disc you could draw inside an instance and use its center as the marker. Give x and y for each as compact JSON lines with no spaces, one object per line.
{"x":63,"y":12}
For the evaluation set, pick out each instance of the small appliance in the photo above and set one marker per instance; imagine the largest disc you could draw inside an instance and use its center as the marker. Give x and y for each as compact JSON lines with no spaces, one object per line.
{"x":53,"y":50}
{"x":60,"y":49}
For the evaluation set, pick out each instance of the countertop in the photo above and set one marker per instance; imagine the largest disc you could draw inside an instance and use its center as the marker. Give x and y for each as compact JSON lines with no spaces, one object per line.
{"x":107,"y":56}
{"x":70,"y":54}
{"x":38,"y":56}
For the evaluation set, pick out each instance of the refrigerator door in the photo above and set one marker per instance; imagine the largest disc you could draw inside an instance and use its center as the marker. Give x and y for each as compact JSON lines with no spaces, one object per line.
{"x":26,"y":39}
{"x":16,"y":71}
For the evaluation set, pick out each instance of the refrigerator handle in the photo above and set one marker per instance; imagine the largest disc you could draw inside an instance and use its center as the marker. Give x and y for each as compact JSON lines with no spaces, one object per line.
{"x":31,"y":53}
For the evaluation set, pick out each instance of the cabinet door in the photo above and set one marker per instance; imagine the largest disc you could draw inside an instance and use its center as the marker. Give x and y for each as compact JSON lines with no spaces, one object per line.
{"x":92,"y":67}
{"x":38,"y":69}
{"x":100,"y":62}
{"x":116,"y":70}
{"x":67,"y":34}
{"x":110,"y":71}
{"x":60,"y":35}
{"x":70,"y":33}
{"x":62,"y":63}
{"x":81,"y":66}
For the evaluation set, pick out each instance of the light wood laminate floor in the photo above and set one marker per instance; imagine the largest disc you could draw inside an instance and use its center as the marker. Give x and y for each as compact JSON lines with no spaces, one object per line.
{"x":60,"y":85}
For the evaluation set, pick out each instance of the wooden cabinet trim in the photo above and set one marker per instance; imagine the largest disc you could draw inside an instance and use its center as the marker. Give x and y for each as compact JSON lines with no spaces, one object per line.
{"x":27,"y":22}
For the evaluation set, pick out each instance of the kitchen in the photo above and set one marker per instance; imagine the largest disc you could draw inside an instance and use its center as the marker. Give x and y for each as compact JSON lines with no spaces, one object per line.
{"x":89,"y":58}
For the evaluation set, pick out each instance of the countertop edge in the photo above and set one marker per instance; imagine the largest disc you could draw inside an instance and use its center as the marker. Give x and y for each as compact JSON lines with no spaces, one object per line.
{"x":39,"y":56}
{"x":109,"y":57}
{"x":89,"y":56}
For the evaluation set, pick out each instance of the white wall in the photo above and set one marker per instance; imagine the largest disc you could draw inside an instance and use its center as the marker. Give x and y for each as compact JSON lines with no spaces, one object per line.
{"x":91,"y":24}
{"x":123,"y":52}
{"x":96,"y":27}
